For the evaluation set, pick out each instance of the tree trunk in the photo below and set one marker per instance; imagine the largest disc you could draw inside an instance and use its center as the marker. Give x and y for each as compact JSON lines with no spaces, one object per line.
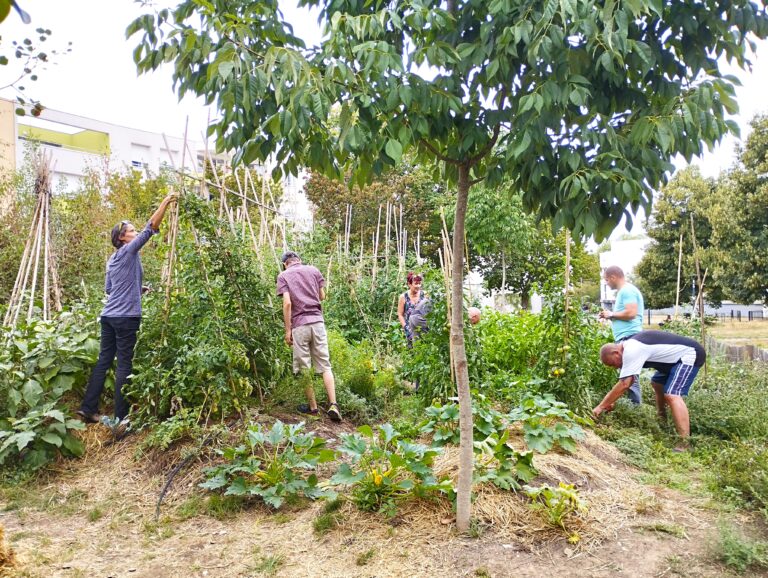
{"x":525,"y":299}
{"x":466,"y":449}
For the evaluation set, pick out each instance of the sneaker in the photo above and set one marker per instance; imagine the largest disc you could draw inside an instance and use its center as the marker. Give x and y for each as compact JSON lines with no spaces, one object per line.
{"x":334,"y":413}
{"x":88,"y":417}
{"x":121,"y":429}
{"x":305,"y":409}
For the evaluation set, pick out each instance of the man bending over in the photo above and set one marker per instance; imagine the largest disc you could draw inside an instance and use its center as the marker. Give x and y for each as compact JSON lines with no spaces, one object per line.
{"x":676,"y":360}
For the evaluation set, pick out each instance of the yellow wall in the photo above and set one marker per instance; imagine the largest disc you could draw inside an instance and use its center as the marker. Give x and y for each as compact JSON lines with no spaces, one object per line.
{"x":7,"y":137}
{"x":86,"y":140}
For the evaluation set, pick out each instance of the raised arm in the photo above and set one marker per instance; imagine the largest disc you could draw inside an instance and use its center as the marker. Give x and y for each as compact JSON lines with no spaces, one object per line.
{"x":157,"y":216}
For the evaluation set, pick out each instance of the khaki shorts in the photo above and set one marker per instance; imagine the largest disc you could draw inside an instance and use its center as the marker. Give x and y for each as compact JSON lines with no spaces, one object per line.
{"x":310,"y":347}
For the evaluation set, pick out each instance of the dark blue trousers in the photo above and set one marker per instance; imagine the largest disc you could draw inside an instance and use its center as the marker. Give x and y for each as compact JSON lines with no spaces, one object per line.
{"x":118,"y":337}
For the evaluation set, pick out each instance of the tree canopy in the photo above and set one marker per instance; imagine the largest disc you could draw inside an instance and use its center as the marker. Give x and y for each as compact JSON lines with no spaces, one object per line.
{"x":730,"y":216}
{"x":582,"y":104}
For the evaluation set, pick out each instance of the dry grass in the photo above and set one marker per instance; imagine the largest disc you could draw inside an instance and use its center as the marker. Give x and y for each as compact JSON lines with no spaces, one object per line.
{"x":741,"y":333}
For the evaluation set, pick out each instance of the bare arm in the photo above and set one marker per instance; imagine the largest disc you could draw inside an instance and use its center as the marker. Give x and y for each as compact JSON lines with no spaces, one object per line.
{"x":287,"y":317}
{"x":612,"y":396}
{"x":157,"y":216}
{"x":629,"y":313}
{"x":323,"y":294}
{"x":401,"y":310}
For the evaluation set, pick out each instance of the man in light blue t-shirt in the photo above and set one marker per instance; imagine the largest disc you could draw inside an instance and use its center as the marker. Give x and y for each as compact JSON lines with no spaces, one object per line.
{"x":627,"y":315}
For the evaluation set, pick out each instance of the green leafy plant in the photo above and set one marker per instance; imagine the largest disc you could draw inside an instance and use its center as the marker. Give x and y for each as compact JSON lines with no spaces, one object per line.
{"x":501,"y":464}
{"x":40,"y":364}
{"x":272,"y":465}
{"x":39,"y":436}
{"x":183,"y":424}
{"x":386,"y":469}
{"x":548,"y":423}
{"x":556,"y":504}
{"x":443,"y":422}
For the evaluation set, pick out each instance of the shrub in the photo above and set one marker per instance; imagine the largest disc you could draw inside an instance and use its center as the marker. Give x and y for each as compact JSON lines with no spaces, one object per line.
{"x":730,"y":402}
{"x":739,"y":471}
{"x":740,"y":553}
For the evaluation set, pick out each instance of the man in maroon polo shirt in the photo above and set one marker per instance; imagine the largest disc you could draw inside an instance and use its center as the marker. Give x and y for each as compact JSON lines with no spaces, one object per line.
{"x":302,"y":288}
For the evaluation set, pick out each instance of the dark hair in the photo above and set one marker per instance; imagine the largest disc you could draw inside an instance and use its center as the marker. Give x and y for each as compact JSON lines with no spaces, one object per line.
{"x":117,"y":232}
{"x":413,"y":277}
{"x":288,"y":256}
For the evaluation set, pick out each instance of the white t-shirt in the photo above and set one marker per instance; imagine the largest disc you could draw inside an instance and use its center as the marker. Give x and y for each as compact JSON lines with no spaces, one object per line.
{"x":658,"y":349}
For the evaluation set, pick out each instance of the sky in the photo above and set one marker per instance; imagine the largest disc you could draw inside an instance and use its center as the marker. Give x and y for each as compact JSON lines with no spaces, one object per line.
{"x":98,"y":78}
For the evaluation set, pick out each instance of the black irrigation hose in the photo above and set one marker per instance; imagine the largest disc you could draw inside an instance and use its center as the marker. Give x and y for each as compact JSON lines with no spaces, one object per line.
{"x":175,"y":471}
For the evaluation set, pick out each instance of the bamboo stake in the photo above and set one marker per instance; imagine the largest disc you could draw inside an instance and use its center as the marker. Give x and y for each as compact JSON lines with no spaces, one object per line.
{"x":700,"y":297}
{"x":16,"y":292}
{"x":679,"y":270}
{"x":376,"y":251}
{"x":397,"y":235}
{"x":46,"y":256}
{"x":386,"y":240}
{"x":38,"y":239}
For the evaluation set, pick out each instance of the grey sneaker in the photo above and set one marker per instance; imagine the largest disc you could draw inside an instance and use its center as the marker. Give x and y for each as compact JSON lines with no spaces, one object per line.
{"x":334,"y":413}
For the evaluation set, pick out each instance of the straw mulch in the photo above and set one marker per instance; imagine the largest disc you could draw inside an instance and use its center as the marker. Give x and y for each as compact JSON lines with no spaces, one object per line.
{"x":7,"y":555}
{"x":614,"y":501}
{"x":613,"y":497}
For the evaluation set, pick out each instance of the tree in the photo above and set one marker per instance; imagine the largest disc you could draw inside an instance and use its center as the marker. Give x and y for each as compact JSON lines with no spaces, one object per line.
{"x":740,"y":221}
{"x":688,"y":194}
{"x":581,"y":104}
{"x":513,"y":252}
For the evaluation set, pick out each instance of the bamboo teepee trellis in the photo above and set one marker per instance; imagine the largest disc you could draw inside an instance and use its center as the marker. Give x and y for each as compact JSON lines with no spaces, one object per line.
{"x":38,"y":261}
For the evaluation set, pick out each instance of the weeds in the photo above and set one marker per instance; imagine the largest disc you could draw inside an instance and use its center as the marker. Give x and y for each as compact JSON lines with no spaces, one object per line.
{"x":329,"y":519}
{"x":365,"y":557}
{"x":269,"y":565}
{"x":740,"y":553}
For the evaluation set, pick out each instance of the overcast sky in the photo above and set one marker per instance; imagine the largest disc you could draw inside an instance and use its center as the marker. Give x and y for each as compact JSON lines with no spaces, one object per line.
{"x":98,"y":78}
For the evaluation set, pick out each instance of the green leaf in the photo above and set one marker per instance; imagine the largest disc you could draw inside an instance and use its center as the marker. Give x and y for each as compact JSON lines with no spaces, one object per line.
{"x":346,"y":477}
{"x":394,"y":150}
{"x":32,"y":392}
{"x":23,"y":439}
{"x":56,"y":414}
{"x":74,"y":445}
{"x":46,"y":361}
{"x":51,"y":438}
{"x":366,"y":431}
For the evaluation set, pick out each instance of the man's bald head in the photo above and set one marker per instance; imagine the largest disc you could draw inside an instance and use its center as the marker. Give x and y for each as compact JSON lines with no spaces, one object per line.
{"x":474,"y":315}
{"x":612,"y":354}
{"x":614,"y":277}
